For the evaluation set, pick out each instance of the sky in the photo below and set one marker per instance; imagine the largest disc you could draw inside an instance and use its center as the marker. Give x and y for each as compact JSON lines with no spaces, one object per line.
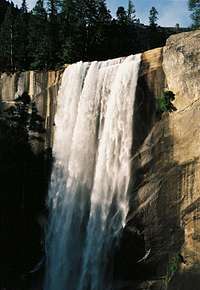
{"x":170,"y":11}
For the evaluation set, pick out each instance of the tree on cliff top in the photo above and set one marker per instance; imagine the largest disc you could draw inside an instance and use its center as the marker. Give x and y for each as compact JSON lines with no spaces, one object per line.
{"x":38,"y":42}
{"x":53,"y":36}
{"x":131,"y":16}
{"x":24,"y":8}
{"x":6,"y":39}
{"x":194,"y":6}
{"x":128,"y":16}
{"x":153,"y":17}
{"x":66,"y":31}
{"x":3,"y":7}
{"x":83,"y":28}
{"x":104,"y":15}
{"x":53,"y":7}
{"x":121,"y":14}
{"x":20,"y":37}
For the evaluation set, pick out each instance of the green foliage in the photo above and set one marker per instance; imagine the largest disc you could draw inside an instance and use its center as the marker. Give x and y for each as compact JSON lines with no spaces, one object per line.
{"x":6,"y":38}
{"x":53,"y":7}
{"x":194,"y":6}
{"x":3,"y":7}
{"x":121,"y":14}
{"x":131,"y":12}
{"x":57,"y":32}
{"x":38,"y":41}
{"x":24,"y":8}
{"x":53,"y":37}
{"x":104,"y":16}
{"x":164,"y":102}
{"x":20,"y":40}
{"x":172,"y":268}
{"x":24,"y":115}
{"x":153,"y":17}
{"x":128,"y":16}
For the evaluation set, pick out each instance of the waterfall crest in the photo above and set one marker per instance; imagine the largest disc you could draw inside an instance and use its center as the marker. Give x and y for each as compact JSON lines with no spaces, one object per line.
{"x":88,"y":196}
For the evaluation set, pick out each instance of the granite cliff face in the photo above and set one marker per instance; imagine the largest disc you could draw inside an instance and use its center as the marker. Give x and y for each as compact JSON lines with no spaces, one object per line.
{"x":182,"y":68}
{"x":42,"y":87}
{"x":166,"y":192}
{"x":164,"y":217}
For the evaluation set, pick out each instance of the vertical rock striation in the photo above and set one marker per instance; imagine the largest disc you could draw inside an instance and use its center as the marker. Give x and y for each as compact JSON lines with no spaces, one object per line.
{"x":42,"y":87}
{"x":165,"y":199}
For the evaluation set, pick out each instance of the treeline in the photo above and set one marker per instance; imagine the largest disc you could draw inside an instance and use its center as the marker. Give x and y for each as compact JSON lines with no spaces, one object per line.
{"x":64,"y":31}
{"x":194,"y":6}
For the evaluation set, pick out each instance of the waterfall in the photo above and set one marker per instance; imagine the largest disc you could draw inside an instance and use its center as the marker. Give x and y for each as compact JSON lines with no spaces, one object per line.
{"x":88,"y":196}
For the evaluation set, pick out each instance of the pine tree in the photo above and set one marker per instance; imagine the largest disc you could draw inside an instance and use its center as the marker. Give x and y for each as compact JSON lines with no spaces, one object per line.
{"x":53,"y":7}
{"x":53,"y":32}
{"x":153,"y":17}
{"x":131,"y":16}
{"x":67,"y":10}
{"x":78,"y":16}
{"x":6,"y":40}
{"x":3,"y":7}
{"x":104,"y":15}
{"x":194,"y":6}
{"x":24,"y":8}
{"x":20,"y":37}
{"x":69,"y":22}
{"x":90,"y":9}
{"x":98,"y":33}
{"x":39,"y":10}
{"x":121,"y":15}
{"x":38,"y":41}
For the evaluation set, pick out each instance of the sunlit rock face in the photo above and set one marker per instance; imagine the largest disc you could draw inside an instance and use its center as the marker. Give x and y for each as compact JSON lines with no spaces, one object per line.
{"x":182,"y":66}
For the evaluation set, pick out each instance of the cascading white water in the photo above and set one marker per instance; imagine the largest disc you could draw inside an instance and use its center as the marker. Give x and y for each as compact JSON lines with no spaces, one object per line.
{"x":88,"y":198}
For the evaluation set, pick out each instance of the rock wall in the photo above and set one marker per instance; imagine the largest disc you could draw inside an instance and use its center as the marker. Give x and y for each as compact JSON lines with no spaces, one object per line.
{"x":182,"y":67}
{"x":164,"y":217}
{"x":166,"y":193}
{"x":42,"y":87}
